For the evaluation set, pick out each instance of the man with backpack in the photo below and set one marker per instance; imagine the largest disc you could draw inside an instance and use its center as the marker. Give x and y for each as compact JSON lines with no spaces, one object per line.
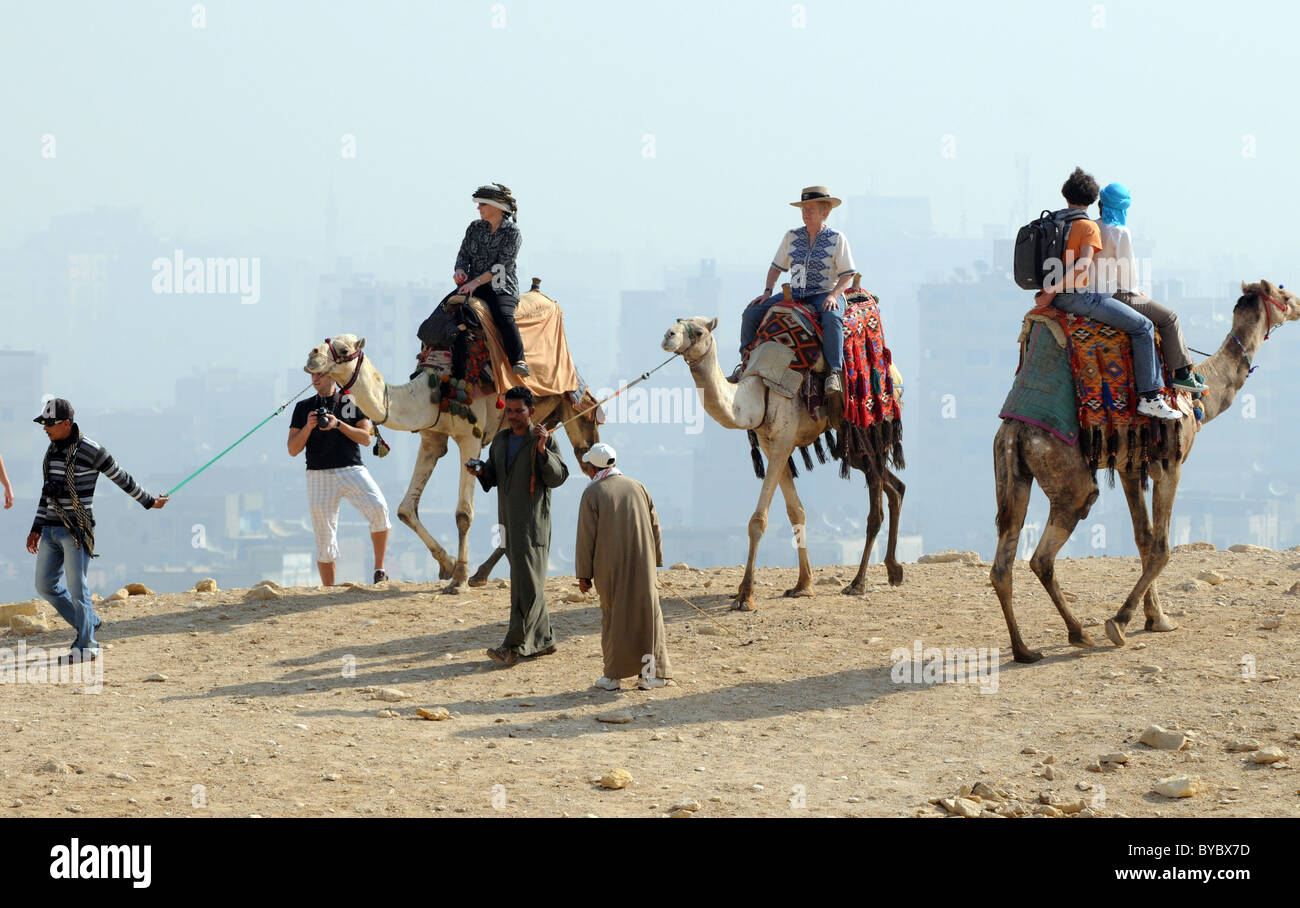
{"x":1070,"y":240}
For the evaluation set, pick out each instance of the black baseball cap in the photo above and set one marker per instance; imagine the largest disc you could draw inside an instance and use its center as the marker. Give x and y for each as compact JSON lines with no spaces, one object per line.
{"x":56,"y":410}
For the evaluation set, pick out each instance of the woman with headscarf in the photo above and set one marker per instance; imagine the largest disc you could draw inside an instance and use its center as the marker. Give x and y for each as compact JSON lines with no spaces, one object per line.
{"x":485,"y":265}
{"x":1116,"y":272}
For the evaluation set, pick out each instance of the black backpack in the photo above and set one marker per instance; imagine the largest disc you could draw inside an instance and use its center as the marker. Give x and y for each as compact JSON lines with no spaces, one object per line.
{"x":1040,"y":242}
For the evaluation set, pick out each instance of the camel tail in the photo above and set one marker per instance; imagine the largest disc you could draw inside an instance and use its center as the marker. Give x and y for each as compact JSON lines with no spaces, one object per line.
{"x":756,"y":455}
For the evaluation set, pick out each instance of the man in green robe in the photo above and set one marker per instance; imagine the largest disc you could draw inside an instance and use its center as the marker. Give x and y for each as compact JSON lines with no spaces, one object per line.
{"x":524,"y":464}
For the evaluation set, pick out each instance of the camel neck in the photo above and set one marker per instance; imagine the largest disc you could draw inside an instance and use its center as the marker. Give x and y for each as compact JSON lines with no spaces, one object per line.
{"x":1227,"y":370}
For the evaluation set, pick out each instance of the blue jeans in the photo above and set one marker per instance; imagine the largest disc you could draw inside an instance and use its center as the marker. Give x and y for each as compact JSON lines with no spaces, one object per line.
{"x":832,"y":325}
{"x":1110,"y":311}
{"x":56,"y":555}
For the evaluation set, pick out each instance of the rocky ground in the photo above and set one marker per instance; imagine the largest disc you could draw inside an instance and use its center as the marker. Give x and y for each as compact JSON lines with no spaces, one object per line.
{"x":305,"y":702}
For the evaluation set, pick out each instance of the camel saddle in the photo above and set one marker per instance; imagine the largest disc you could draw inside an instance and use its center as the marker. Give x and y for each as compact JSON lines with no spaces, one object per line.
{"x":541,"y":328}
{"x":1075,"y":380}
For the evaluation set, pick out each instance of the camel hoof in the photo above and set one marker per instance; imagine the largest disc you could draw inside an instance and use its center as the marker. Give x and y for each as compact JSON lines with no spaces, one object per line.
{"x":799,"y":592}
{"x":478,"y":581}
{"x":446,"y":573}
{"x":451,"y":589}
{"x":741,"y":606}
{"x":1028,"y":656}
{"x":1163,"y":626}
{"x":895,"y":574}
{"x":856,"y":588}
{"x":1082,"y":640}
{"x":1115,"y":632}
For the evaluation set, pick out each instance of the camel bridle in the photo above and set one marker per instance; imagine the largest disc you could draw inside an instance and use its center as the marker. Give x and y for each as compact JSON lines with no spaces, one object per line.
{"x":360,"y":357}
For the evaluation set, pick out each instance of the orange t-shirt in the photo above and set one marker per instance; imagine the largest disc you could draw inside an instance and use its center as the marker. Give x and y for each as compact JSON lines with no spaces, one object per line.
{"x":1083,"y":232}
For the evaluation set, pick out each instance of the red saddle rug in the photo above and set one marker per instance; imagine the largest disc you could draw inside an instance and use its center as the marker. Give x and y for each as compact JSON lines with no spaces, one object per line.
{"x":1101,"y":364}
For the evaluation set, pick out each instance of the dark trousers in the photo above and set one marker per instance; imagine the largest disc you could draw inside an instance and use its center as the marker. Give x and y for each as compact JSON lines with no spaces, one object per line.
{"x":503,"y":315}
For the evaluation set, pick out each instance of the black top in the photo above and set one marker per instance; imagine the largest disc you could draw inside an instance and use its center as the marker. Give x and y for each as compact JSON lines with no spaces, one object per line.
{"x":482,"y":250}
{"x":329,"y":450}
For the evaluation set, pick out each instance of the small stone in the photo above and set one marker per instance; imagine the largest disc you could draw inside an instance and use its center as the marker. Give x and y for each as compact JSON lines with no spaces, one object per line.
{"x":138,"y":589}
{"x":1178,"y":786}
{"x":122,"y":776}
{"x":1163,"y":739}
{"x":437,"y":714}
{"x":1213,"y":578}
{"x":679,"y":566}
{"x":1245,"y":548}
{"x":710,"y":630}
{"x":1271,"y":624}
{"x":967,"y":808}
{"x":387,"y":714}
{"x":300,"y":725}
{"x":1237,"y":747}
{"x":26,"y":625}
{"x":949,"y":556}
{"x":680,"y":814}
{"x":1094,"y":766}
{"x":618,"y":718}
{"x":1150,"y":669}
{"x":156,"y":676}
{"x":690,"y":806}
{"x":616,"y":779}
{"x":1029,"y":750}
{"x":18,"y":608}
{"x":262,"y":593}
{"x":1116,"y":757}
{"x":206,"y":585}
{"x":1071,"y":806}
{"x":330,"y":777}
{"x":1047,"y":810}
{"x":1192,"y":586}
{"x":1268,"y":755}
{"x":54,"y":767}
{"x":1049,"y":759}
{"x":16,"y":802}
{"x":756,"y":787}
{"x":389,"y":695}
{"x":120,"y":596}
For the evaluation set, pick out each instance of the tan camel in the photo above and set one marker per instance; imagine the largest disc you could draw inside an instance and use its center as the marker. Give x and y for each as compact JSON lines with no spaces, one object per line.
{"x":1023,"y":453}
{"x":781,"y":425}
{"x":409,"y":408}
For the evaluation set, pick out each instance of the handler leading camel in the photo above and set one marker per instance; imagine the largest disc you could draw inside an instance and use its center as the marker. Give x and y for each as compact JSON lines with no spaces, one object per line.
{"x":820,"y":266}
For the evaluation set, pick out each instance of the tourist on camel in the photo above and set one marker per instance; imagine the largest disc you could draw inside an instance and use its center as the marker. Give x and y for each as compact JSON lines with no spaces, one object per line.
{"x":1066,"y":288}
{"x":1115,"y":270}
{"x":485,"y":265}
{"x":821,"y":268}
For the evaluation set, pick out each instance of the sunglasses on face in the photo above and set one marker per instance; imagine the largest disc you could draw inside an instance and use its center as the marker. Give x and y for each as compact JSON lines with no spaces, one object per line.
{"x":47,"y":423}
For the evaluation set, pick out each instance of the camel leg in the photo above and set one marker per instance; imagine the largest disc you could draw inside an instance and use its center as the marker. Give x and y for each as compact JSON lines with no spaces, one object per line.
{"x":895,"y":489}
{"x":480,"y":577}
{"x":757,"y":525}
{"x":795,"y":512}
{"x":1156,"y":553}
{"x":1061,"y":521}
{"x":470,"y":447}
{"x":432,"y":446}
{"x":1013,"y":485}
{"x":875,"y":517}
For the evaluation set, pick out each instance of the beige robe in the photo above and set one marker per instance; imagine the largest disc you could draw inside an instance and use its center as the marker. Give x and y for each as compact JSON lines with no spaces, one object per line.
{"x":619,"y":547}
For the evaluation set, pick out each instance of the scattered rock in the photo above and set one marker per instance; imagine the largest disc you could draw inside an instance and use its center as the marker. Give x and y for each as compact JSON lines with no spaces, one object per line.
{"x":1294,"y":589}
{"x":1047,"y":810}
{"x":1117,"y":757}
{"x":1271,"y":624}
{"x":1163,"y":739}
{"x":1151,"y":669}
{"x":54,"y":767}
{"x":122,"y":776}
{"x":261,"y":593}
{"x":1246,"y":548}
{"x":156,"y":676}
{"x":965,"y":807}
{"x":330,"y":777}
{"x":680,"y":814}
{"x":616,"y":779}
{"x":1213,"y":578}
{"x":120,"y":596}
{"x":1178,"y":786}
{"x":18,"y":608}
{"x":269,"y":583}
{"x":206,"y":585}
{"x":388,"y":714}
{"x":690,"y":806}
{"x":1195,"y":547}
{"x":1268,"y":755}
{"x":26,"y":624}
{"x":618,"y":718}
{"x":138,"y":589}
{"x":1237,"y":747}
{"x":437,"y":714}
{"x":679,"y":566}
{"x":1192,"y":586}
{"x":949,"y":556}
{"x":710,"y":630}
{"x":389,"y":695}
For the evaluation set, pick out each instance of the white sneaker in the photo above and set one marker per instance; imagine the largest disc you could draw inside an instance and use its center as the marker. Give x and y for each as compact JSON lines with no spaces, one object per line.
{"x":644,"y":683}
{"x":1157,"y":408}
{"x":608,"y":684}
{"x":834,"y":384}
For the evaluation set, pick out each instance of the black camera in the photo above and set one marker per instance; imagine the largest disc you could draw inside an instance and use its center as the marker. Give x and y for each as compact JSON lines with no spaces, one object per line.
{"x":322,"y":417}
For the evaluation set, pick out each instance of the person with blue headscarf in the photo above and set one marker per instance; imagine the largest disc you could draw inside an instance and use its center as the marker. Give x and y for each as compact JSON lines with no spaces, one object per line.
{"x":1115,"y":271}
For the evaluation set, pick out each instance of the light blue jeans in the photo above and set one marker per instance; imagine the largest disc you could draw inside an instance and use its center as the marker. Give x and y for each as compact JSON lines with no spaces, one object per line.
{"x":57,"y":555}
{"x":1110,"y":311}
{"x":832,"y":325}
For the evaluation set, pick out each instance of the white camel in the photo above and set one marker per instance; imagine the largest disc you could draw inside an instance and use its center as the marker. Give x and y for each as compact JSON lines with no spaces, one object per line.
{"x":408,"y":407}
{"x":781,"y":424}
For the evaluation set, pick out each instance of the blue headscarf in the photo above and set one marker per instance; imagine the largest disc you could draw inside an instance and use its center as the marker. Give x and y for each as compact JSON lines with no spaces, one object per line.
{"x":1114,"y":203}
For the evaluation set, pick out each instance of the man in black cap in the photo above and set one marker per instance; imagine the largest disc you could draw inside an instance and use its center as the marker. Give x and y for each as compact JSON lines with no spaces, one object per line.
{"x":63,"y":533}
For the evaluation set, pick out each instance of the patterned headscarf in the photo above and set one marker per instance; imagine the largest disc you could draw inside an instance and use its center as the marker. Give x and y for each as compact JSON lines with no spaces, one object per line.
{"x":498,"y":196}
{"x":1114,"y":202}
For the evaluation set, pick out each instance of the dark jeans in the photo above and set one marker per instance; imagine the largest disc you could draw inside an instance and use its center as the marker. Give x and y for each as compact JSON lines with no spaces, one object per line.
{"x":503,"y":315}
{"x":832,"y":325}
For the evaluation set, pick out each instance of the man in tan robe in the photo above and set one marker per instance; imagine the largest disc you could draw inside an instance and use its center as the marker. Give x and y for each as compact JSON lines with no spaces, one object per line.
{"x":619,"y":547}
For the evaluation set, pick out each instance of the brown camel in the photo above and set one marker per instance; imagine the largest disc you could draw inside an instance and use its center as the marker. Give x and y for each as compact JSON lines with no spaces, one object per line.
{"x":1023,"y":453}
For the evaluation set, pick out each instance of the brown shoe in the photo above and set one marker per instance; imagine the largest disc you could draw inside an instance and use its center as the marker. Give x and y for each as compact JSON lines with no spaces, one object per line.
{"x":549,"y":651}
{"x":506,"y":655}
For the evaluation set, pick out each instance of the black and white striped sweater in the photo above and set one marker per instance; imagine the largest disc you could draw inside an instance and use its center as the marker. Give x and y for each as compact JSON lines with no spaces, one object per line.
{"x":92,"y":459}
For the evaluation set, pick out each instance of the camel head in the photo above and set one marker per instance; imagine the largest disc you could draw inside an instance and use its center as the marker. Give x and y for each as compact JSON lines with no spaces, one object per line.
{"x":338,"y":351}
{"x":1279,"y":305}
{"x":690,"y":337}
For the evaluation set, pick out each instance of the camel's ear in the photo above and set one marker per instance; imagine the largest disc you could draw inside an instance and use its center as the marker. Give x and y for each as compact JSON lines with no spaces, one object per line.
{"x":713,"y":323}
{"x":1267,"y":287}
{"x":1244,"y":291}
{"x":361,"y":343}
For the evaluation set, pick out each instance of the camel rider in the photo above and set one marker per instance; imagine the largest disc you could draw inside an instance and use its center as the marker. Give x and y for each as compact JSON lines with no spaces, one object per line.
{"x":485,"y":265}
{"x":821,"y":268}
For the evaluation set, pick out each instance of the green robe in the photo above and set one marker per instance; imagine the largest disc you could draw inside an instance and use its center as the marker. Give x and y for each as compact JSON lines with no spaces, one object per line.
{"x":524,"y":511}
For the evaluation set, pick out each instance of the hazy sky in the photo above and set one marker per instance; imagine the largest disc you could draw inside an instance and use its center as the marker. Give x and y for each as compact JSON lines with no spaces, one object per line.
{"x":235,"y":131}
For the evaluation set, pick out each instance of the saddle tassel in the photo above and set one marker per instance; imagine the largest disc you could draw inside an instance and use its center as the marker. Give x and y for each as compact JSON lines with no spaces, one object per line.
{"x":807,"y":458}
{"x":756,"y":455}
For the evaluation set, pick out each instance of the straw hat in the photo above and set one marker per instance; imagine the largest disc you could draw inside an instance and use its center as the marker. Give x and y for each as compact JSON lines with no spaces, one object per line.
{"x":816,"y":194}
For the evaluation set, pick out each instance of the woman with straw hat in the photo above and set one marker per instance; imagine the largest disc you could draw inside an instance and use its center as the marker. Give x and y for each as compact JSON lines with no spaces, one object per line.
{"x":821,"y":267}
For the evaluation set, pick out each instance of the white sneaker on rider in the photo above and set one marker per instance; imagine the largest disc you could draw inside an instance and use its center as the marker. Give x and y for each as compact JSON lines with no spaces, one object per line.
{"x":1158,"y":408}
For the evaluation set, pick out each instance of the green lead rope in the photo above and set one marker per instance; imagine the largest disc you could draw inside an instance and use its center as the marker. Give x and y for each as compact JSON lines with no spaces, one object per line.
{"x":241,"y":438}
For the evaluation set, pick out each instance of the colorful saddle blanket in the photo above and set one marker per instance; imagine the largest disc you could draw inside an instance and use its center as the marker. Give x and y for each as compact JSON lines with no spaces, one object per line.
{"x":870,"y":393}
{"x":1075,"y":379}
{"x":796,"y":326}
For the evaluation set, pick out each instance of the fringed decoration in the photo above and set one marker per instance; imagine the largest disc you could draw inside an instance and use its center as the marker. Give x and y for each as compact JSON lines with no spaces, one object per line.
{"x":756,"y":455}
{"x":807,"y":458}
{"x":821,"y":452}
{"x":832,"y":444}
{"x":794,"y":471}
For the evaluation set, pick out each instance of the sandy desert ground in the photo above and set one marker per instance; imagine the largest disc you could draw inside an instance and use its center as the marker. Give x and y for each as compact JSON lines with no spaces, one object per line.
{"x":269,"y":706}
